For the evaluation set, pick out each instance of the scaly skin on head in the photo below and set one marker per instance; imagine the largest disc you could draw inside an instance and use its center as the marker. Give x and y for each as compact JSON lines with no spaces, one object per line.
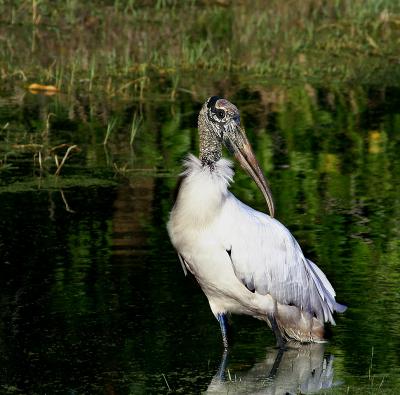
{"x":210,"y":145}
{"x":212,"y":128}
{"x":219,"y":123}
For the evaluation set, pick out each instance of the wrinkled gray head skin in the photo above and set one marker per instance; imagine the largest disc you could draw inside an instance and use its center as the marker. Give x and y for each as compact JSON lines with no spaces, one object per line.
{"x":219,"y":123}
{"x":223,"y":116}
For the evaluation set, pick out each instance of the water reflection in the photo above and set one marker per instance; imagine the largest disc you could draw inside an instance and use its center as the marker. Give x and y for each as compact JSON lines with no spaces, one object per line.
{"x":299,"y":368}
{"x":88,"y":274}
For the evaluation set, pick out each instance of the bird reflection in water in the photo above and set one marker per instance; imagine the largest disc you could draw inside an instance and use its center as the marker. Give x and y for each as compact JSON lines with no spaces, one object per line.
{"x":300,"y":368}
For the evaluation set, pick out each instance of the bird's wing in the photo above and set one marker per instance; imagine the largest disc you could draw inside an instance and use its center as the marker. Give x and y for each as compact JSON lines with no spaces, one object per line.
{"x":268,"y":260}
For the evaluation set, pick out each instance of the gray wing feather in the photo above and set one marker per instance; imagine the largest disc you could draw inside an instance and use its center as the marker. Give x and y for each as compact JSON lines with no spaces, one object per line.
{"x":267,"y":258}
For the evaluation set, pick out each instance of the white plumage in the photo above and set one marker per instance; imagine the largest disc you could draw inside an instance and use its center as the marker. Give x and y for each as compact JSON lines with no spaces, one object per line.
{"x":245,"y":261}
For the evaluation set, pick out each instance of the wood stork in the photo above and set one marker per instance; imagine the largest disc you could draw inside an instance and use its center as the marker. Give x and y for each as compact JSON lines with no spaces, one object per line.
{"x":246,"y":262}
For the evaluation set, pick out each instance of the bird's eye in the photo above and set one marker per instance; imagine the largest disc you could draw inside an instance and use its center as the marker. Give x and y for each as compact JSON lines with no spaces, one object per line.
{"x":220,"y":114}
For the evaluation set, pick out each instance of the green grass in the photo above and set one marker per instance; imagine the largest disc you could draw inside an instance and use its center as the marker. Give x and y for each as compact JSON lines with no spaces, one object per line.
{"x":135,"y":125}
{"x":122,"y":48}
{"x":110,"y":126}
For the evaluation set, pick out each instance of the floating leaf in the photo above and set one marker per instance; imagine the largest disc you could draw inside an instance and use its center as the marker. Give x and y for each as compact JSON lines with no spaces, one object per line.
{"x":46,"y":89}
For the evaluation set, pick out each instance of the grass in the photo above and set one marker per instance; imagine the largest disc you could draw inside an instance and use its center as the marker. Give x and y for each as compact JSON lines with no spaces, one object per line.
{"x":110,"y":126}
{"x":135,"y":125}
{"x":129,"y":44}
{"x":53,"y":183}
{"x":37,"y":148}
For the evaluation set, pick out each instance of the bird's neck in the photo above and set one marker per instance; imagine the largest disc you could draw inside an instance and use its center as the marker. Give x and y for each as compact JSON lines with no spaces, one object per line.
{"x":210,"y":147}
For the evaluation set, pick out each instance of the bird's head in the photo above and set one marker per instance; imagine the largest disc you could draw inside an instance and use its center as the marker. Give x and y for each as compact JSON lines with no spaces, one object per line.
{"x":221,"y":119}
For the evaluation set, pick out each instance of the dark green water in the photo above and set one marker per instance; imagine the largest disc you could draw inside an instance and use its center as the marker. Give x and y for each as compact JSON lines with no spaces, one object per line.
{"x":92,"y":295}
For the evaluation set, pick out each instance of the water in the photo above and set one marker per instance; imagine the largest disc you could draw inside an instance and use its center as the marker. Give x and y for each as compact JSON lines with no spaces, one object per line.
{"x":93,"y":298}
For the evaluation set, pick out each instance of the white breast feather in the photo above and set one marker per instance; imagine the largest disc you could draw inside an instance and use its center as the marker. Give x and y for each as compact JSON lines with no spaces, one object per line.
{"x":202,"y":193}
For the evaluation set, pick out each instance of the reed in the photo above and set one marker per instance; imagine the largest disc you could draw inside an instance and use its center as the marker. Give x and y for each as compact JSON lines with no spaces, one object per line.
{"x":136,"y":121}
{"x":110,"y":127}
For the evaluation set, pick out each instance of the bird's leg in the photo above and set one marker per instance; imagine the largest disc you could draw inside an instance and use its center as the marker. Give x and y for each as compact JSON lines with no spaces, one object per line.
{"x":222,"y":365}
{"x":223,"y":323}
{"x":280,"y":341}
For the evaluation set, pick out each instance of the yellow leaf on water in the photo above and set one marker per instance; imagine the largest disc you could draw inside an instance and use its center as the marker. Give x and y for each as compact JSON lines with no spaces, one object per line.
{"x":45,"y":88}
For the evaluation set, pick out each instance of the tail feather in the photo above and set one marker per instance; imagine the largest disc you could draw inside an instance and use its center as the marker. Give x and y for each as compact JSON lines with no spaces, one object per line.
{"x":326,"y":292}
{"x":340,"y":308}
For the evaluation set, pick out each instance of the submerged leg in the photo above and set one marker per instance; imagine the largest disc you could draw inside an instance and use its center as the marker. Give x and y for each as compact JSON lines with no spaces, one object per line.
{"x":280,"y":341}
{"x":222,"y":366}
{"x":223,"y":323}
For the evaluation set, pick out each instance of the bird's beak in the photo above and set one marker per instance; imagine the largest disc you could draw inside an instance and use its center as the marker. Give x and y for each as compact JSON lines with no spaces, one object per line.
{"x":245,"y":155}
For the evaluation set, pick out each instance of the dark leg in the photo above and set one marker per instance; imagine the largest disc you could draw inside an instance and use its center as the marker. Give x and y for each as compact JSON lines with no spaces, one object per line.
{"x":223,"y":323}
{"x":222,"y":365}
{"x":280,"y":341}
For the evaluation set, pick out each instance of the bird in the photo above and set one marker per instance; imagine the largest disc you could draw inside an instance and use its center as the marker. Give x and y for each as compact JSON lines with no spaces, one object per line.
{"x":245,"y":261}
